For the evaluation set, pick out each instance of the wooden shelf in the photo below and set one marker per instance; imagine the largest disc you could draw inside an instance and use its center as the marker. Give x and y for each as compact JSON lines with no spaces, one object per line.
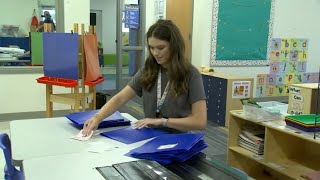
{"x":287,"y":155}
{"x":290,"y":168}
{"x":247,"y":153}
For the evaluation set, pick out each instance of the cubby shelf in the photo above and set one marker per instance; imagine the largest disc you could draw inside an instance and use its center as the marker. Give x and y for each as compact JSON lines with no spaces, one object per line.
{"x":287,"y":154}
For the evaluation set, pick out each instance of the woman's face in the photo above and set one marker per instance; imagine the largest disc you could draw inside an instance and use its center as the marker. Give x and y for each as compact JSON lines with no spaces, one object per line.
{"x":160,"y":49}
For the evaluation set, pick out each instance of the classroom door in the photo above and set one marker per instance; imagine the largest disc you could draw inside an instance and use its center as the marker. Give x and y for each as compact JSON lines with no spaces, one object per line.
{"x":96,"y":20}
{"x":130,"y":39}
{"x":180,"y":12}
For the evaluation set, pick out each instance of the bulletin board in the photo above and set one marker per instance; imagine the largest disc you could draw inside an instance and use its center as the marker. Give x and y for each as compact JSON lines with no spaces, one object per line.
{"x":241,"y":32}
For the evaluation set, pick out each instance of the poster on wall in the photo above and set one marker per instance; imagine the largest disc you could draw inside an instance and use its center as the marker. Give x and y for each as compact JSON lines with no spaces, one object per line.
{"x":241,"y":32}
{"x":288,"y":65}
{"x":131,"y":16}
{"x":241,"y":89}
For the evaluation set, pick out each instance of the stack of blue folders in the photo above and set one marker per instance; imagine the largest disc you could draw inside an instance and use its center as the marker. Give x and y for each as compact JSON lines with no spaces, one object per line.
{"x":116,"y":119}
{"x":169,"y":148}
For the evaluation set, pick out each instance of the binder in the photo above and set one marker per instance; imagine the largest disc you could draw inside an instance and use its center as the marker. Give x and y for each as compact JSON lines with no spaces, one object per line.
{"x":130,"y":135}
{"x":116,"y":119}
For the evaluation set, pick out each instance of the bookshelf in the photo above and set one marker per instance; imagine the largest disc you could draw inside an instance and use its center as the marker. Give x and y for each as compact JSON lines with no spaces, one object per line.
{"x":288,"y":153}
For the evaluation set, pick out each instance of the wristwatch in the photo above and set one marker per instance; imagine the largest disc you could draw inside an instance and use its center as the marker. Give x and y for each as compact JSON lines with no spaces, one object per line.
{"x":164,"y":122}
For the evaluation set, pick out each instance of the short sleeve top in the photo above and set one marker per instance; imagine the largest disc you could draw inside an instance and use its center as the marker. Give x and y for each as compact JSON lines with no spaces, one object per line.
{"x":173,"y":106}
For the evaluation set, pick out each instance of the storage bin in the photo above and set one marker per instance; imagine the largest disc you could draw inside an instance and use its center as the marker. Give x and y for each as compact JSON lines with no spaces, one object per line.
{"x":270,"y":110}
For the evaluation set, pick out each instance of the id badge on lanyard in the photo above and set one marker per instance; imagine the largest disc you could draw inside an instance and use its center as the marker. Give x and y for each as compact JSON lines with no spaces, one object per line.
{"x":160,"y":99}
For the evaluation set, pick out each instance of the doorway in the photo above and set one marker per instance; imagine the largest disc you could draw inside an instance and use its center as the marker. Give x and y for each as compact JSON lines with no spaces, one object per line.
{"x":96,"y":20}
{"x":130,"y":25}
{"x":182,"y":17}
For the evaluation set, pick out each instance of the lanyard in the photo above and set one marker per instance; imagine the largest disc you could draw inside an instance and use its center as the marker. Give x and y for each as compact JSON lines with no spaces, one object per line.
{"x":160,"y":99}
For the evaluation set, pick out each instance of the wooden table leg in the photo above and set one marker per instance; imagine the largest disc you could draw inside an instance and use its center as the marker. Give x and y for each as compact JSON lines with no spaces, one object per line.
{"x":49,"y":106}
{"x":76,"y":99}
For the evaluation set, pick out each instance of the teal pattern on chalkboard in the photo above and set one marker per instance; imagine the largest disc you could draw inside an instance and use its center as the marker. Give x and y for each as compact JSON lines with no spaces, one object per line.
{"x":241,"y":32}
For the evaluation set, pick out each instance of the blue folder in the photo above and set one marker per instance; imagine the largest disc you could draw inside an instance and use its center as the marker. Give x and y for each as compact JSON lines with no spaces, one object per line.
{"x":116,"y":119}
{"x":130,"y":135}
{"x":170,"y":147}
{"x":182,"y":142}
{"x":174,"y":156}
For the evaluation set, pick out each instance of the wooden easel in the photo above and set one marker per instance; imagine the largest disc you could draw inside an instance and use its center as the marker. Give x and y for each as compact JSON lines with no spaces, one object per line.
{"x":78,"y":97}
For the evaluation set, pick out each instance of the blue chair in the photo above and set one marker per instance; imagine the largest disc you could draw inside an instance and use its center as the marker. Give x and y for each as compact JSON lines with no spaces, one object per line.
{"x":10,"y":172}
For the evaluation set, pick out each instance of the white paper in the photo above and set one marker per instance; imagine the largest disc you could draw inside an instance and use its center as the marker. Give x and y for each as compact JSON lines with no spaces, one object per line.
{"x":100,"y":147}
{"x":81,"y":137}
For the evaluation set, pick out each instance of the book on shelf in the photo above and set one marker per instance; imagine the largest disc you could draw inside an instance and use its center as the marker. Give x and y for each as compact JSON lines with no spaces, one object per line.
{"x":254,"y":133}
{"x":256,"y":150}
{"x":255,"y":138}
{"x":252,"y":139}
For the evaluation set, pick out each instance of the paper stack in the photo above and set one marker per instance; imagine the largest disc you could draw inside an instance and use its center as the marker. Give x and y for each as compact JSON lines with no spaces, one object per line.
{"x":252,"y":139}
{"x":169,"y":148}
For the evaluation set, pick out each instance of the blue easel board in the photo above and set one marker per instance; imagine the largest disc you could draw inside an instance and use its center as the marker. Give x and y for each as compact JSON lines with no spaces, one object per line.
{"x":60,"y":55}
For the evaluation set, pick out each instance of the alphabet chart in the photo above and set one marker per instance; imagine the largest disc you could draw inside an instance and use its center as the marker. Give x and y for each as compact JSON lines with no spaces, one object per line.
{"x":288,"y":65}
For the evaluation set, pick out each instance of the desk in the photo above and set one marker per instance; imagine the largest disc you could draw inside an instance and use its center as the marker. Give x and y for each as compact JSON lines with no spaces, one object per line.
{"x":50,"y":136}
{"x":76,"y":166}
{"x":46,"y":151}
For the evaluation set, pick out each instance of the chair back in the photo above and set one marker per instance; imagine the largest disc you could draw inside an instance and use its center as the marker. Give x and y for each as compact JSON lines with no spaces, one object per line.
{"x":10,"y":172}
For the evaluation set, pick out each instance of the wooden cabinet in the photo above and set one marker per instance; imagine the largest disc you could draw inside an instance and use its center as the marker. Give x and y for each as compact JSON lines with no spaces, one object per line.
{"x":218,"y":88}
{"x":288,"y":153}
{"x":303,"y":98}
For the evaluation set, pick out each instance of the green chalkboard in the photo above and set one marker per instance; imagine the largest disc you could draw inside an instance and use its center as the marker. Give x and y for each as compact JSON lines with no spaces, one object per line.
{"x":36,"y":48}
{"x":241,"y":31}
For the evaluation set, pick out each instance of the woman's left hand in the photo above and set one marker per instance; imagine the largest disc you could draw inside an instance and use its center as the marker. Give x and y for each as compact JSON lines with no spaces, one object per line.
{"x":148,"y":122}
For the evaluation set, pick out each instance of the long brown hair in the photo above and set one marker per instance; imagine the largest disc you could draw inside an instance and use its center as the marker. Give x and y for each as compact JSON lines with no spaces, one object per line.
{"x":179,"y":66}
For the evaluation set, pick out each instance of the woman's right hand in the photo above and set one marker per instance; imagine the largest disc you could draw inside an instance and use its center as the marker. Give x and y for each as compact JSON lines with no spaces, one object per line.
{"x":90,"y":125}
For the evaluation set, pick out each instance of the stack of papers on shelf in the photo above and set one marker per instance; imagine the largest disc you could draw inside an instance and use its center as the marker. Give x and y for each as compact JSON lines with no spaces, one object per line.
{"x":116,"y":119}
{"x":169,"y":148}
{"x":305,"y":122}
{"x":130,"y":135}
{"x":252,"y":139}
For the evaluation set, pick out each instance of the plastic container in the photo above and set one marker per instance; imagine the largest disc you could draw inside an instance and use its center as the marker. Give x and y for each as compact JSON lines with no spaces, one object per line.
{"x":270,"y":110}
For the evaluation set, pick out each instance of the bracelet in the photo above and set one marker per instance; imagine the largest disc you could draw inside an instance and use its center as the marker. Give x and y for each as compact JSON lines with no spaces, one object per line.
{"x":100,"y":118}
{"x":164,"y":122}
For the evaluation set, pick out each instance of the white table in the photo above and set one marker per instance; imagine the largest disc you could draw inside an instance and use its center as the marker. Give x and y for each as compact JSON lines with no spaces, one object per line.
{"x":78,"y":166}
{"x":49,"y":137}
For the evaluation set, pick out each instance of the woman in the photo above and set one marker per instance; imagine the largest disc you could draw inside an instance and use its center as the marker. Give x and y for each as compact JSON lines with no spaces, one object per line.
{"x":172,"y":89}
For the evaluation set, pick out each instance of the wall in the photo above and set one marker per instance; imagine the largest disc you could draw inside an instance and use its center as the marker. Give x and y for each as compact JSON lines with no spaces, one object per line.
{"x":20,"y":14}
{"x":47,"y":2}
{"x":109,"y":12}
{"x":292,"y":19}
{"x":21,"y":93}
{"x":76,"y":12}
